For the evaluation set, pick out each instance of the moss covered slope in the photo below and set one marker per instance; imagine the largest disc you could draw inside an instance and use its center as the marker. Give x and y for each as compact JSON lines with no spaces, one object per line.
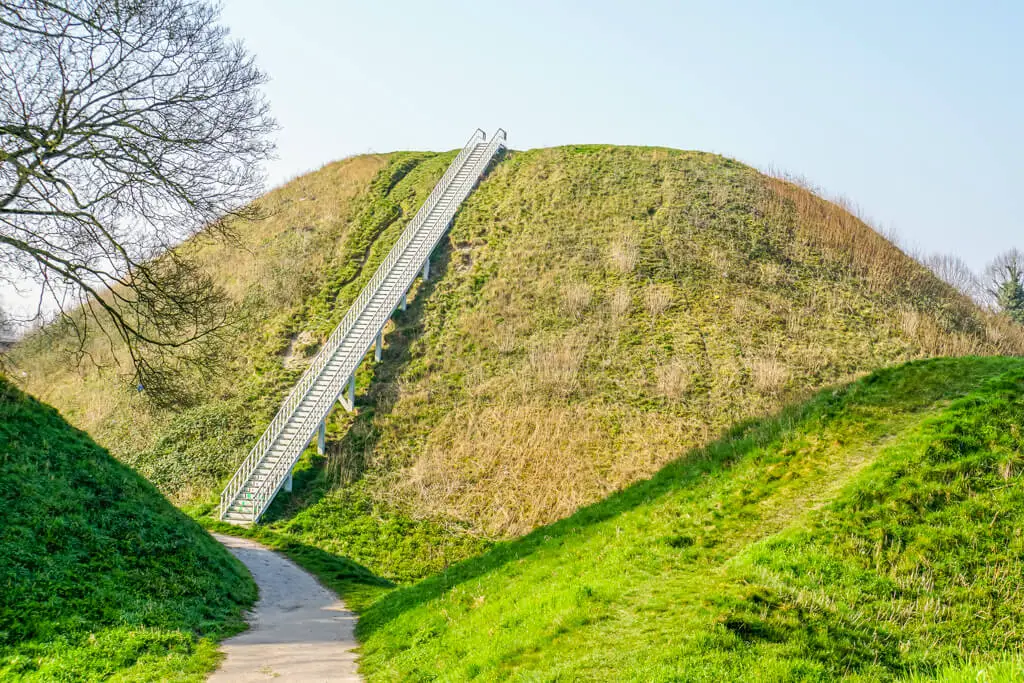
{"x":100,"y":577}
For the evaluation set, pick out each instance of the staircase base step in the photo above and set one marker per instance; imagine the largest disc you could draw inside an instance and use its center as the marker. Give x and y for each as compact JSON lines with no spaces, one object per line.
{"x":237,"y":520}
{"x":262,"y":470}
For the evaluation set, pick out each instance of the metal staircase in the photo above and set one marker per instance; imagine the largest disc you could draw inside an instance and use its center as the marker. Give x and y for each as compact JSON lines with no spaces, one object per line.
{"x":331,"y":375}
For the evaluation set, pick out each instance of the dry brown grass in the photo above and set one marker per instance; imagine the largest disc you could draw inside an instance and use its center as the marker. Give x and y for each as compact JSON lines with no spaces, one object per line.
{"x":938,"y":318}
{"x":576,"y":297}
{"x":1006,"y":470}
{"x":768,"y":375}
{"x":1006,"y":336}
{"x":993,"y":335}
{"x":556,"y":364}
{"x":624,"y":253}
{"x":772,"y":274}
{"x":675,"y":378}
{"x":510,"y":467}
{"x":862,"y":249}
{"x":299,"y":214}
{"x":657,"y":299}
{"x":910,"y":321}
{"x":506,"y":340}
{"x":620,"y":303}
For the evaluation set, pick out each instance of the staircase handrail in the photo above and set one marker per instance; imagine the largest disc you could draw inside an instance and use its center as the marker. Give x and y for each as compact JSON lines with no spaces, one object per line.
{"x":275,"y":479}
{"x":294,"y":397}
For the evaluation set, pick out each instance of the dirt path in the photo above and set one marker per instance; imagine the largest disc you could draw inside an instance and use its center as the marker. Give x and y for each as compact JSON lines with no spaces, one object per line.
{"x":299,"y":630}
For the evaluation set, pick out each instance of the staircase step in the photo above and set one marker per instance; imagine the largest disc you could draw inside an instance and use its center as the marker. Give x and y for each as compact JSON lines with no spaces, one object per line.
{"x":427,"y":230}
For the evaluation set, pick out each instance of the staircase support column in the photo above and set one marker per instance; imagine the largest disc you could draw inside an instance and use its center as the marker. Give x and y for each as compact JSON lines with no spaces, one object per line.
{"x":245,"y":499}
{"x":348,"y":395}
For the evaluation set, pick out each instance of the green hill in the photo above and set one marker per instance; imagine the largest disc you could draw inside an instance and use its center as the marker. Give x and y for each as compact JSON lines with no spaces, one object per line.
{"x":100,"y":577}
{"x":874,"y":533}
{"x":597,"y":313}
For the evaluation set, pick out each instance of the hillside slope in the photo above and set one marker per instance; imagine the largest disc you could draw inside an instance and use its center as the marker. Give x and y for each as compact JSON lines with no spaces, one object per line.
{"x":596,"y":313}
{"x":874,"y":533}
{"x":100,"y":577}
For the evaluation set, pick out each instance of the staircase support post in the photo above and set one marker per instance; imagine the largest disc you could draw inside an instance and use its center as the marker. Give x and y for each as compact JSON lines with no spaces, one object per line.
{"x":348,"y":395}
{"x":245,"y":498}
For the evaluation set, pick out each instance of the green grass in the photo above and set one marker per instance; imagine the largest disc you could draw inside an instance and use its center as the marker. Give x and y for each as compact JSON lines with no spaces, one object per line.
{"x":873,"y":533}
{"x":595,"y":313}
{"x":100,"y":577}
{"x":515,"y":390}
{"x":996,"y":670}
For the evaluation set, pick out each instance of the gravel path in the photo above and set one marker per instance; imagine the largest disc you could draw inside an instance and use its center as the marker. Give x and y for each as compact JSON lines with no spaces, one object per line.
{"x":299,"y":630}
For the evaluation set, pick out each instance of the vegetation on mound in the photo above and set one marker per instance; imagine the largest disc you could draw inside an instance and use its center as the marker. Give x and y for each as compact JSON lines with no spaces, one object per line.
{"x":596,"y":313}
{"x":873,"y":533}
{"x":290,"y":277}
{"x":600,"y":311}
{"x":100,"y":577}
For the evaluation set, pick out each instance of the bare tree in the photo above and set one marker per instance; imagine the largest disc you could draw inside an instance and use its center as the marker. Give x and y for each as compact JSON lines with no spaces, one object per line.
{"x":1004,"y":284}
{"x":6,"y":340}
{"x":954,"y":271}
{"x":126,"y":127}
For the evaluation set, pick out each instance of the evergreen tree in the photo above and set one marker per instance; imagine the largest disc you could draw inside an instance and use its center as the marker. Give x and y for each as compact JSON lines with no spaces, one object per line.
{"x":1011,"y":296}
{"x":1006,"y":284}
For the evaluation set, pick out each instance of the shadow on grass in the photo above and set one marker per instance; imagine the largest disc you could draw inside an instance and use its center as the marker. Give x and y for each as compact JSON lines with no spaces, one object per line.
{"x":337,"y":572}
{"x":689,"y":470}
{"x":911,"y":387}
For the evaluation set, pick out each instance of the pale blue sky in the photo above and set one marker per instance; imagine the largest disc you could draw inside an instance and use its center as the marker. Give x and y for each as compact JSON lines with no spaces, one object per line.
{"x":913,"y":110}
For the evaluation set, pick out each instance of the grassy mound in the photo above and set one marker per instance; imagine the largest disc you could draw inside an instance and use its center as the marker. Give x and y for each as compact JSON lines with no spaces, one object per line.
{"x":873,"y":533}
{"x":100,"y":577}
{"x":596,"y":312}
